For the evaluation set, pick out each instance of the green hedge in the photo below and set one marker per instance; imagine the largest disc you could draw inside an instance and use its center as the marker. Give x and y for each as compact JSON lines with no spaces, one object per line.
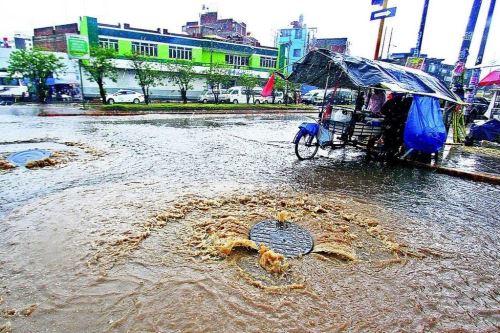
{"x":202,"y":107}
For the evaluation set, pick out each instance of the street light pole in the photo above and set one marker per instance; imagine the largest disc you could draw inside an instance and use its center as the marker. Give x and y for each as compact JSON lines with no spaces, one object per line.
{"x":380,"y":31}
{"x":81,"y":82}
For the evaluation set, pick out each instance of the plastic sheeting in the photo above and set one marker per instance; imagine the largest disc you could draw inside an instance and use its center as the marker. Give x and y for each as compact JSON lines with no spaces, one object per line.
{"x":489,"y":131}
{"x":356,"y":72}
{"x":425,"y":130}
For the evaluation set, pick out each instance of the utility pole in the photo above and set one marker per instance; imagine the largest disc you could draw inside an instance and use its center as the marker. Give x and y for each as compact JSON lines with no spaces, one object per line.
{"x":457,"y":81}
{"x":380,"y":31}
{"x":476,"y":73}
{"x":420,"y":36}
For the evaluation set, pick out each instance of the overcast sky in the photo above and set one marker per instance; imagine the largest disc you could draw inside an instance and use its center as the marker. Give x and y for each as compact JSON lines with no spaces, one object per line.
{"x":446,"y":20}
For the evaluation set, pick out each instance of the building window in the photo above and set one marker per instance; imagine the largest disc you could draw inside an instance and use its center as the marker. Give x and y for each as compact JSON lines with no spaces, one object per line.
{"x":184,"y":53}
{"x":236,"y":60}
{"x":297,"y":53}
{"x":145,"y":49}
{"x":298,"y":33}
{"x":286,"y":33}
{"x":268,"y":62}
{"x":108,"y":43}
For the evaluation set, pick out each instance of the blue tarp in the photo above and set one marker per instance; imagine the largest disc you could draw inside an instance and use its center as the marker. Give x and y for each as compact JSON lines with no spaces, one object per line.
{"x":355,"y":72}
{"x":425,"y":130}
{"x":489,"y":131}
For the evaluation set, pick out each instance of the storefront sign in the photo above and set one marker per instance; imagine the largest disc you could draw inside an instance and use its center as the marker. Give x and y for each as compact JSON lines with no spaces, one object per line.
{"x":415,"y":62}
{"x":78,"y":46}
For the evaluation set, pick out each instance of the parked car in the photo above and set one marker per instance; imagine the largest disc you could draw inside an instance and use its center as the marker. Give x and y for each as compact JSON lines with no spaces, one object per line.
{"x":224,"y":96}
{"x":342,"y":97}
{"x":208,"y":96}
{"x":278,"y":98}
{"x":238,"y":95}
{"x":12,"y":87}
{"x":125,"y":96}
{"x":309,"y":97}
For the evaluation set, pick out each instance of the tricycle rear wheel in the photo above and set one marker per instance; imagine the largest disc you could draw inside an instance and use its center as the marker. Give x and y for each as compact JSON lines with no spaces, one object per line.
{"x":306,"y":147}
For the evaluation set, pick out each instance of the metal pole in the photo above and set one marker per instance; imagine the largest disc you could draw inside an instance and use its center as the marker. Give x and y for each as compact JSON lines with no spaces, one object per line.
{"x":287,"y":63}
{"x":420,"y":36}
{"x":380,"y":30}
{"x":383,"y":44}
{"x":326,"y":88}
{"x":474,"y":80}
{"x":81,"y":82}
{"x":390,"y":41}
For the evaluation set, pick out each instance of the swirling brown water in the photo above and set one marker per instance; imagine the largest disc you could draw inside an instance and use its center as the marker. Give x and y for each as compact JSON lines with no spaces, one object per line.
{"x":54,"y":220}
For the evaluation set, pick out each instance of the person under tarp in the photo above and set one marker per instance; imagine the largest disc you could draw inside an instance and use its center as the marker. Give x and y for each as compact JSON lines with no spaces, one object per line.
{"x":395,"y":112}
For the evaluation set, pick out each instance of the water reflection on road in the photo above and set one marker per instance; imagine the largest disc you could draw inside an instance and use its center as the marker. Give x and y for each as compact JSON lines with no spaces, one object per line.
{"x":52,"y":220}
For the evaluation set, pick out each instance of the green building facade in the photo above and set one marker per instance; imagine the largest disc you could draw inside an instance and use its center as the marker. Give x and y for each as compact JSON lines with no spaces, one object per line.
{"x":167,"y":47}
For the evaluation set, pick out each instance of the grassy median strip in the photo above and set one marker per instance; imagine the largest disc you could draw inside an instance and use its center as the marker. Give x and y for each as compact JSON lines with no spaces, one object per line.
{"x":203,"y":107}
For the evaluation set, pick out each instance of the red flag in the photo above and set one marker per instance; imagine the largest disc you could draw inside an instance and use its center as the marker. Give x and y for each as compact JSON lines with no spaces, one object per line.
{"x":268,"y":88}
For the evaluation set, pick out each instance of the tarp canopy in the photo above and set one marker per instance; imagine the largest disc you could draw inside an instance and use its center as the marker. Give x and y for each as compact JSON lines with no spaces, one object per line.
{"x":356,"y":72}
{"x":491,"y":79}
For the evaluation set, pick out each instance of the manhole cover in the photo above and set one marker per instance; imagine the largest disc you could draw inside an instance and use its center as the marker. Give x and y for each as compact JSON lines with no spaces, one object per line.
{"x":286,"y":238}
{"x":22,"y":157}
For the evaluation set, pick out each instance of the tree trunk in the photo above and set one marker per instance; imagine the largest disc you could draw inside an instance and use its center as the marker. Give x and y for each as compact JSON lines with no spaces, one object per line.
{"x":216,"y":96}
{"x":41,"y":92}
{"x":274,"y":96}
{"x":184,"y":95}
{"x":102,"y":92}
{"x":146,"y":95}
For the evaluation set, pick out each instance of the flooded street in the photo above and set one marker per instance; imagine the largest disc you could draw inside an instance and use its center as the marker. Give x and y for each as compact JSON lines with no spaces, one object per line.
{"x":119,"y":237}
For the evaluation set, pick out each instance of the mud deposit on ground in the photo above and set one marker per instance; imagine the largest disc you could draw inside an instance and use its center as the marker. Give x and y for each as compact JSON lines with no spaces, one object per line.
{"x":57,"y":158}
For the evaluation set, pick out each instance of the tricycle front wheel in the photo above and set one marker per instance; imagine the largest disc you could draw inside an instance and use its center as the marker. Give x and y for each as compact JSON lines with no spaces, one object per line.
{"x":306,"y":146}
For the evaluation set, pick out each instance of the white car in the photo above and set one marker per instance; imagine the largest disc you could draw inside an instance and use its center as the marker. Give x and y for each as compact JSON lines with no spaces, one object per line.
{"x":278,"y":98}
{"x":309,"y":97}
{"x":12,"y":87}
{"x":208,"y":96}
{"x":237,"y":95}
{"x":125,"y":96}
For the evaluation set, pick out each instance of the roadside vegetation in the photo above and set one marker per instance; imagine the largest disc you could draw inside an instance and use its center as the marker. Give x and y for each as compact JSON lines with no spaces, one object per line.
{"x":100,"y":67}
{"x":201,"y":107}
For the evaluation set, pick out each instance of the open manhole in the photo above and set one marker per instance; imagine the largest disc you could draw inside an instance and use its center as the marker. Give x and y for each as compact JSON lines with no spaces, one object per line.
{"x":23,"y":157}
{"x":286,"y":238}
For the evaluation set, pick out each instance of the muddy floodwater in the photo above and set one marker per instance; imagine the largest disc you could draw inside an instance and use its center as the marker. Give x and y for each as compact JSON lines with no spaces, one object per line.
{"x":141,"y":225}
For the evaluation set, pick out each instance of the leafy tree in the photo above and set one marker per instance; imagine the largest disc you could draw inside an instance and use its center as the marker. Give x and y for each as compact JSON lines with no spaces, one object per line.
{"x":182,"y":74}
{"x":248,"y":82}
{"x":37,"y":66}
{"x":217,"y":76}
{"x":146,"y":73}
{"x":101,"y":66}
